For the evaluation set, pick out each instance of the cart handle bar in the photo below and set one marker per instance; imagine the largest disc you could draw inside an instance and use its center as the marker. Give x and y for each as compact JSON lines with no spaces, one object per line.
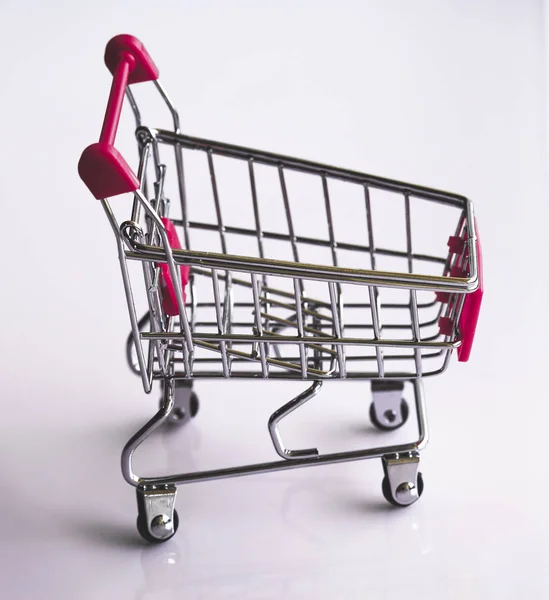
{"x":101,"y":167}
{"x":471,"y":307}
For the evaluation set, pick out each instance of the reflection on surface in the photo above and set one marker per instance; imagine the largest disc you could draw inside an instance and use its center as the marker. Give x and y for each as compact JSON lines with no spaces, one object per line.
{"x":163,"y":571}
{"x":274,"y":538}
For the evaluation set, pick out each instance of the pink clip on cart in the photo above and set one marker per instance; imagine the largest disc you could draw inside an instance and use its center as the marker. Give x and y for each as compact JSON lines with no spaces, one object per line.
{"x":300,"y":301}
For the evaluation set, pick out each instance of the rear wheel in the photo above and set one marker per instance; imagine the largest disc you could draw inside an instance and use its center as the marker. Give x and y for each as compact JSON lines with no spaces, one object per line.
{"x":386,"y":489}
{"x":391,"y":419}
{"x":146,"y":534}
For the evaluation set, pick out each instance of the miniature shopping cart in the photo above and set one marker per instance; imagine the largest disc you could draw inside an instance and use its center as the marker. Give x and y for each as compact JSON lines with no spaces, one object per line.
{"x":270,"y":267}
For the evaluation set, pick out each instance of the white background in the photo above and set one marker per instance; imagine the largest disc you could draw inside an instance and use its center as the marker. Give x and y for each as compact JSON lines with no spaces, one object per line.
{"x":447,"y":94}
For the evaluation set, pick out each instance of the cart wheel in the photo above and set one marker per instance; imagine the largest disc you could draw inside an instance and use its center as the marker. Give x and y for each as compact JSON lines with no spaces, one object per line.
{"x":404,"y":412}
{"x":145,"y":534}
{"x":386,"y":489}
{"x":194,"y":405}
{"x":179,"y":415}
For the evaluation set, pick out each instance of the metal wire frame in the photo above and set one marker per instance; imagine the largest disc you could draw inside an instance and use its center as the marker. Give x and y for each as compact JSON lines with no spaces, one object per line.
{"x":291,"y":460}
{"x":323,"y":326}
{"x":318,"y":272}
{"x":317,"y":326}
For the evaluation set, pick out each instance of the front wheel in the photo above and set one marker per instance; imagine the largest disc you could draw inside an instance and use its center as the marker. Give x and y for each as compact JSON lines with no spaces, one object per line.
{"x":404,"y":490}
{"x":158,"y":522}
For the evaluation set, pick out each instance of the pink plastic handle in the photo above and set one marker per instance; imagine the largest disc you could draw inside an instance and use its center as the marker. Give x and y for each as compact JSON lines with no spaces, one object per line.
{"x":169,"y":298}
{"x":101,"y":167}
{"x":471,"y":310}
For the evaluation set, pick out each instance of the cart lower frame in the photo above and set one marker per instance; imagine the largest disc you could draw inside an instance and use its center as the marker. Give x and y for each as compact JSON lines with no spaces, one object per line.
{"x":156,"y":495}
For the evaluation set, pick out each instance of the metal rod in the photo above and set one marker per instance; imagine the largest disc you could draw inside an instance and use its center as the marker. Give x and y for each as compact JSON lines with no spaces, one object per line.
{"x":170,"y":105}
{"x":145,"y":378}
{"x":306,"y":300}
{"x":338,"y":328}
{"x":250,"y":339}
{"x":266,"y":235}
{"x":283,"y":412}
{"x":325,"y":273}
{"x":377,"y":330}
{"x":415,"y":330}
{"x":134,"y":106}
{"x":408,"y":233}
{"x":330,"y":220}
{"x":300,"y":327}
{"x":143,"y":160}
{"x":413,"y":294}
{"x":258,"y":233}
{"x":259,"y":326}
{"x":294,"y":374}
{"x":280,"y":465}
{"x":330,"y":354}
{"x":305,"y":166}
{"x":220,"y":327}
{"x":220,"y":226}
{"x":288,"y":212}
{"x":176,"y":278}
{"x":371,"y":245}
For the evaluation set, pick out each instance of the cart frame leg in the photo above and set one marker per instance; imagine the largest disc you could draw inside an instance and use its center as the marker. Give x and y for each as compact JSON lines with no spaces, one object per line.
{"x":182,"y":410}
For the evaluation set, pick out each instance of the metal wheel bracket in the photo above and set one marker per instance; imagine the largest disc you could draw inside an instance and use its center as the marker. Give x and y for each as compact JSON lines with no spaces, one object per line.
{"x":387,"y":399}
{"x":181,"y":411}
{"x":401,"y":471}
{"x":156,"y":506}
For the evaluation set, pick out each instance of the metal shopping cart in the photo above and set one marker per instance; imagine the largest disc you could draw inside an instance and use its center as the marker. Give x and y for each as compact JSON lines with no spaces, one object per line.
{"x":383,"y":293}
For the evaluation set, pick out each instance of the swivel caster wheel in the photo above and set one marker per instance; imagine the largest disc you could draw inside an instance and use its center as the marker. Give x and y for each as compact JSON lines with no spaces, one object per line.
{"x":402,"y":484}
{"x":160,"y":524}
{"x":404,"y":490}
{"x":388,"y":410}
{"x":157,"y":519}
{"x":390,"y":419}
{"x":186,"y":405}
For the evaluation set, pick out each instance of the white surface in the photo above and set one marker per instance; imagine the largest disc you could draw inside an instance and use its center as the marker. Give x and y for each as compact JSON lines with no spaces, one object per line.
{"x":448,"y":94}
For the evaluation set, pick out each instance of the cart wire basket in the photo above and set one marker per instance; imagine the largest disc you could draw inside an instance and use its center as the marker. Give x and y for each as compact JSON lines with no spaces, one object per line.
{"x":271,"y":267}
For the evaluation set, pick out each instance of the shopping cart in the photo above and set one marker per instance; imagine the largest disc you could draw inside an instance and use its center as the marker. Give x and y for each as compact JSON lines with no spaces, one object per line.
{"x":294,"y":295}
